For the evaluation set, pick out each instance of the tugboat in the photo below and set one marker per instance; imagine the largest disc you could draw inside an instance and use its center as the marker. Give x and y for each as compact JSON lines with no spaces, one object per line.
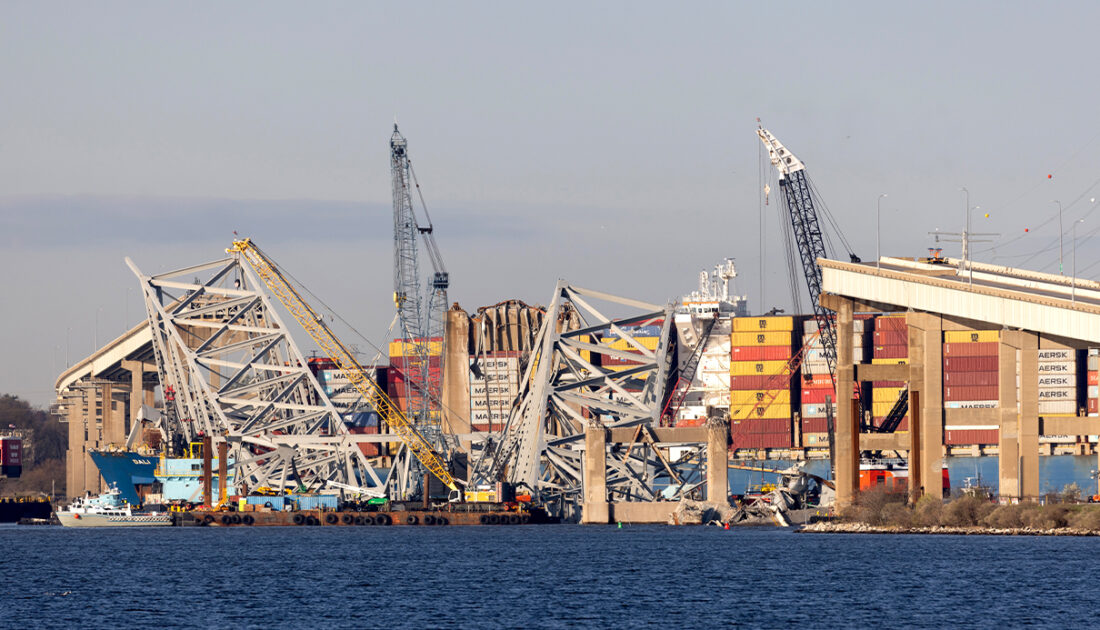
{"x":109,"y":510}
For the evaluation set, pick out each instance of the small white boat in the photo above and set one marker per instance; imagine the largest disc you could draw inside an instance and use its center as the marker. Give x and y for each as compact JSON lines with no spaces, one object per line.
{"x":109,"y":510}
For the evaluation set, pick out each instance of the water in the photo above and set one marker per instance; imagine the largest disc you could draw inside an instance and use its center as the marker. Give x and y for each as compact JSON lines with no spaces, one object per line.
{"x":538,"y":576}
{"x":1055,"y":472}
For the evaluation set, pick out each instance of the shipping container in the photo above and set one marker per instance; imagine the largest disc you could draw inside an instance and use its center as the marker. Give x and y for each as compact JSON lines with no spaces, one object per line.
{"x":762,"y":440}
{"x":972,"y":336}
{"x":816,"y":381}
{"x":754,"y":412}
{"x":890,"y":322}
{"x":970,"y":392}
{"x":760,"y":396}
{"x":755,"y":324}
{"x":858,"y":325}
{"x":275,"y":503}
{"x":817,"y":439}
{"x":816,"y":424}
{"x":963,"y":437}
{"x":314,"y":501}
{"x":616,"y":343}
{"x":1059,"y":407}
{"x":1057,"y":354}
{"x":1094,"y":378}
{"x":1056,"y":380}
{"x":757,"y":368}
{"x":1054,"y":368}
{"x":968,"y":379}
{"x":1093,"y":361}
{"x":817,"y":367}
{"x":818,"y":396}
{"x":761,"y":353}
{"x":970,"y":404}
{"x":1057,"y":393}
{"x":891,"y":337}
{"x":741,"y":339}
{"x":897,"y":351}
{"x":408,"y":347}
{"x":690,"y":422}
{"x":1093,"y":406}
{"x":970,"y":364}
{"x":757,"y":382}
{"x":890,"y":361}
{"x":971,"y":349}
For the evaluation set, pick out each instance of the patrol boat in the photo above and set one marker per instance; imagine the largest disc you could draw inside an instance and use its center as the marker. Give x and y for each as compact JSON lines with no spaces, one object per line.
{"x":109,"y":510}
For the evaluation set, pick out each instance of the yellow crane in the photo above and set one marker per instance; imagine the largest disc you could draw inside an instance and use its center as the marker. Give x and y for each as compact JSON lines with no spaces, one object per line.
{"x":339,"y":354}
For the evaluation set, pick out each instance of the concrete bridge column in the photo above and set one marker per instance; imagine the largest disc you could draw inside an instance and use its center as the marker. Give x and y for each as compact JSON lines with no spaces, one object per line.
{"x":718,"y":483}
{"x":76,"y":410}
{"x":847,"y":412}
{"x":114,"y":420}
{"x":1029,"y":416}
{"x":926,"y":365}
{"x":595,"y":509}
{"x":1008,"y":462}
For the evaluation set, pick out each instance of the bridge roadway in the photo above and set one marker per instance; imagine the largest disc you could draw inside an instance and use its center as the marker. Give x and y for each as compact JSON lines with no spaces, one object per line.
{"x":1033,"y":310}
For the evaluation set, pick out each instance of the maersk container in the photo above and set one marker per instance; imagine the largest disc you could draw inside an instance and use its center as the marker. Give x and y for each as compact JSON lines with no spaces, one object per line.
{"x":1055,"y":380}
{"x":1057,"y":367}
{"x":1057,"y":393}
{"x":1057,"y":354}
{"x":970,"y":404}
{"x":1060,"y":407}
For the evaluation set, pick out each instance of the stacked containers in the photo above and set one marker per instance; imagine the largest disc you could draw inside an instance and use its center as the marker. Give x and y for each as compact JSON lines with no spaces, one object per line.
{"x":403,"y":360}
{"x":760,"y":382}
{"x":1093,"y":382}
{"x":1057,"y":382}
{"x":891,"y":338}
{"x":647,"y":336}
{"x":816,"y":382}
{"x":494,"y":385}
{"x":970,"y":380}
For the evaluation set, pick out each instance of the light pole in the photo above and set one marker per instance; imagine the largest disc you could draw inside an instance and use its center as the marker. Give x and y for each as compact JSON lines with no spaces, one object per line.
{"x":1060,"y":268}
{"x":878,"y":233}
{"x":966,"y":232}
{"x":1073,"y":282}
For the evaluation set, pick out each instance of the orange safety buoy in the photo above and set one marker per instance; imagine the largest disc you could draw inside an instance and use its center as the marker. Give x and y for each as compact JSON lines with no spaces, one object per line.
{"x":727,"y":525}
{"x":76,"y":516}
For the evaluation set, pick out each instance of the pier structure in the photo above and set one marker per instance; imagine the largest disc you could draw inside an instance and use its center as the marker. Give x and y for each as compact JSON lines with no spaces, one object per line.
{"x":1033,"y":310}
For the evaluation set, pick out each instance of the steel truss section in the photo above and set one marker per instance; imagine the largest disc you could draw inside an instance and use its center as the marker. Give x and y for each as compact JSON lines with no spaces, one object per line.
{"x":587,"y":370}
{"x":237,"y":375}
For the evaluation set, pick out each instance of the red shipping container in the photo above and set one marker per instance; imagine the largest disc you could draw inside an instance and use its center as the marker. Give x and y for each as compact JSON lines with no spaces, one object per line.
{"x":961,"y":437}
{"x":761,"y":353}
{"x":816,"y":381}
{"x":817,"y":396}
{"x":756,"y":381}
{"x":885,"y":384}
{"x":370,"y":449}
{"x":892,"y":337}
{"x":970,"y":392}
{"x":980,"y":349}
{"x":970,"y":364}
{"x":691,"y":422}
{"x":966,"y":379}
{"x":815,"y":425}
{"x":405,"y":362}
{"x":762,"y":440}
{"x":1093,"y":406}
{"x":895,"y":351}
{"x":761,"y":425}
{"x":1094,"y":378}
{"x":890,"y":323}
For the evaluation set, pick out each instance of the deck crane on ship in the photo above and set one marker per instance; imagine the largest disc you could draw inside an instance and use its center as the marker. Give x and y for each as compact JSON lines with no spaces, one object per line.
{"x":799,"y":199}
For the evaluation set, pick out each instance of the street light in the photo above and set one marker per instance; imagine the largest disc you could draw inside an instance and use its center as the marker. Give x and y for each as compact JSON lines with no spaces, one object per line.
{"x":1073,"y":282}
{"x":878,"y":230}
{"x":1060,"y":268}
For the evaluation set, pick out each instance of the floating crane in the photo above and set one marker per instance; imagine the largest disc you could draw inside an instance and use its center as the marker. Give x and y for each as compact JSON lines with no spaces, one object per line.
{"x":798,"y":197}
{"x":419,"y":325}
{"x":313,"y":324}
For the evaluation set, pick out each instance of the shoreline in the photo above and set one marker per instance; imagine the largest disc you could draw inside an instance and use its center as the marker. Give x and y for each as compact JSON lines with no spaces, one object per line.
{"x":863,"y":528}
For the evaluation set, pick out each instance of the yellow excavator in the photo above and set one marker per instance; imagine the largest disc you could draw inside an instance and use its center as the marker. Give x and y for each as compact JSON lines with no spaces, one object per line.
{"x":335,"y":349}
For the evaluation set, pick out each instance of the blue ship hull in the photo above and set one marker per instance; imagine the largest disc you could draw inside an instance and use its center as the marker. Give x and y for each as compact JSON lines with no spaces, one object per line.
{"x":125,"y":469}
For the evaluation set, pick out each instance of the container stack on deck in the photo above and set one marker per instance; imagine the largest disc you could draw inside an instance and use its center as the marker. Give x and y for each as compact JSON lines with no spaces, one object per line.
{"x":1093,"y":383}
{"x":970,"y":377}
{"x":891,"y":338}
{"x":403,"y":359}
{"x":1057,"y":382}
{"x":760,"y":382}
{"x":493,"y":386}
{"x":817,"y":383}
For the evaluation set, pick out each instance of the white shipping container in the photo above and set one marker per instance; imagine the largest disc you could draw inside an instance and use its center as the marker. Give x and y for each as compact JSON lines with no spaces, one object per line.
{"x":1059,"y":354}
{"x":494,"y":390}
{"x":713,"y":380}
{"x":1094,"y":361}
{"x":485,"y":416}
{"x":1057,"y":439}
{"x":1057,"y":393}
{"x":815,"y":367}
{"x":1094,"y":391}
{"x":1058,"y":367}
{"x":495,"y":363}
{"x":1053,"y":380}
{"x":970,"y":404}
{"x":1060,"y":407}
{"x":810,"y":325}
{"x":814,"y":341}
{"x":816,"y":410}
{"x":477,"y":402}
{"x":717,"y":399}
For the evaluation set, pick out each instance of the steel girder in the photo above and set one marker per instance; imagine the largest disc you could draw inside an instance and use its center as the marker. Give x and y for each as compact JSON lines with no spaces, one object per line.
{"x":238,"y":375}
{"x":586,"y":369}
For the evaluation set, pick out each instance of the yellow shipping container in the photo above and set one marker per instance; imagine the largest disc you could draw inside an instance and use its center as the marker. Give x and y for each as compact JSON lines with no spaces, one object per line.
{"x":773,"y":411}
{"x":781,"y":338}
{"x":882,"y":409}
{"x":400,"y":348}
{"x":882,"y":394}
{"x":890,"y":361}
{"x":757,"y":324}
{"x":762,"y":396}
{"x":971,"y":336}
{"x":649,"y":343}
{"x":757,"y":368}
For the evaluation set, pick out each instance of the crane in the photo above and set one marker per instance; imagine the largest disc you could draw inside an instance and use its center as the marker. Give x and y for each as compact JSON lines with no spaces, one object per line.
{"x":798,"y":197}
{"x":313,"y":324}
{"x":419,"y":325}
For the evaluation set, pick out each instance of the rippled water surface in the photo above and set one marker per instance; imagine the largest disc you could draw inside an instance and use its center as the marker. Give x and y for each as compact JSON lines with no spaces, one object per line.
{"x":538,"y":576}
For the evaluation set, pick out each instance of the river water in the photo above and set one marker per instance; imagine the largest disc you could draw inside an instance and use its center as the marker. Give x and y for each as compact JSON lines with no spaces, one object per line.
{"x":1055,"y":472}
{"x":538,"y":577}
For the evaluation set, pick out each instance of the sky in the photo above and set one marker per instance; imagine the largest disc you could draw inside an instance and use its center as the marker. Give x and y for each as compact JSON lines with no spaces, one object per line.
{"x":611,"y":144}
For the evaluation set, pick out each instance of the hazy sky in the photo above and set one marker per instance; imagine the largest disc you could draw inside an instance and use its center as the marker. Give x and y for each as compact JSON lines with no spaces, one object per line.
{"x":611,"y":144}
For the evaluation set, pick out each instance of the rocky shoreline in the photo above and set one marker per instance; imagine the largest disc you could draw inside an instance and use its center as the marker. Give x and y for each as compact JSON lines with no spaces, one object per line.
{"x":863,"y":528}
